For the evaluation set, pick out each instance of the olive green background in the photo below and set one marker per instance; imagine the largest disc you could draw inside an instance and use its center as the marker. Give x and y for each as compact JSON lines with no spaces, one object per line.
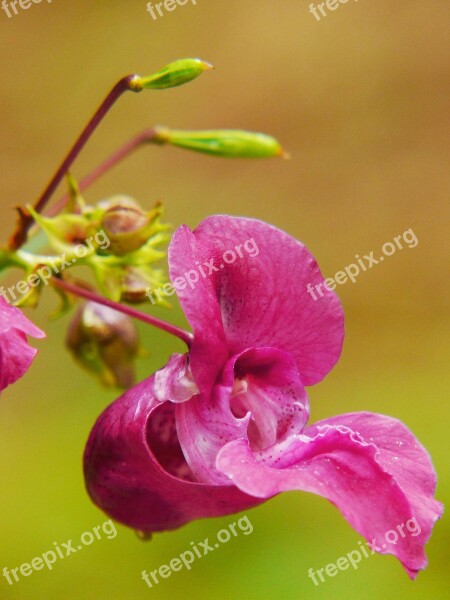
{"x":358,"y":100}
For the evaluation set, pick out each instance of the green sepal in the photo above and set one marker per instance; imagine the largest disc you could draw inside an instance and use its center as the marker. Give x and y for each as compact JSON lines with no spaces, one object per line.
{"x":65,"y":231}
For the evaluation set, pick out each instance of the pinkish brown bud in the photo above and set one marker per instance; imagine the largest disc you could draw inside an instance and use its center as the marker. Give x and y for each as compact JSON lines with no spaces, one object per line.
{"x":105,"y":342}
{"x":127,"y":226}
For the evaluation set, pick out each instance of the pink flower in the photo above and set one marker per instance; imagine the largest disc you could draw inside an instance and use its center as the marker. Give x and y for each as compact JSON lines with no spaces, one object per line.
{"x":15,"y":353}
{"x":224,"y":428}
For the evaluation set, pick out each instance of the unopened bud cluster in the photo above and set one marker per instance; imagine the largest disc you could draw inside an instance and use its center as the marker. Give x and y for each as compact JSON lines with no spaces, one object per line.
{"x":124,"y":267}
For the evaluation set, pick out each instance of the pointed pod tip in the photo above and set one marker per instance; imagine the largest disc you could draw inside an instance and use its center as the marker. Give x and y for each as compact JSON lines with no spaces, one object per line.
{"x":208,"y":66}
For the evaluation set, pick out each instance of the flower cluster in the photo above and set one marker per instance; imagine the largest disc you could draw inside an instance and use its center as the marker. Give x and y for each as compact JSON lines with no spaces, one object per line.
{"x":123,"y":268}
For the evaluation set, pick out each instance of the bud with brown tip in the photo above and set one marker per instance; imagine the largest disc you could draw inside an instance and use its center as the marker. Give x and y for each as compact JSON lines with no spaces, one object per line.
{"x":105,"y":342}
{"x":127,"y":225}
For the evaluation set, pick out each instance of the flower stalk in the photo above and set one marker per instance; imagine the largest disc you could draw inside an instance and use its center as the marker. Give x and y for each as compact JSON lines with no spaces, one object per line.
{"x":82,"y":292}
{"x":174,"y":74}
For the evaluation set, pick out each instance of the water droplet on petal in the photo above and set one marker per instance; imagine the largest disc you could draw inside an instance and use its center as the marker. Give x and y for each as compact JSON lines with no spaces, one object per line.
{"x":145,"y":536}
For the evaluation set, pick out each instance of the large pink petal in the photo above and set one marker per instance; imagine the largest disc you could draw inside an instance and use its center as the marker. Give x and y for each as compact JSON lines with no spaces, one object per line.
{"x":340,"y":465}
{"x":209,"y":350}
{"x":259,"y":397}
{"x":259,"y":298}
{"x":401,"y":455}
{"x":136,"y":473}
{"x":16,"y":355}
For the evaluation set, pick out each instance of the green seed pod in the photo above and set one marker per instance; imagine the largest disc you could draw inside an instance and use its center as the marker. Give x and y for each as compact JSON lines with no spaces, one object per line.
{"x":176,"y":73}
{"x":228,"y":143}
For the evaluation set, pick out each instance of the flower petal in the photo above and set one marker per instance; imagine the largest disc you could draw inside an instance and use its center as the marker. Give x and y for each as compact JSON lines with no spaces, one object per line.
{"x":260,"y":397}
{"x":136,"y":473}
{"x":256,"y":295}
{"x":340,"y":465}
{"x":267,"y":384}
{"x":16,"y":355}
{"x":204,"y":425}
{"x":209,"y":351}
{"x":402,"y":456}
{"x":175,"y":382}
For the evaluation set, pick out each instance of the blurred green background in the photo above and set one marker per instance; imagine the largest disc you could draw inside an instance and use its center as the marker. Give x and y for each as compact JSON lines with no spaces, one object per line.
{"x":358,"y":100}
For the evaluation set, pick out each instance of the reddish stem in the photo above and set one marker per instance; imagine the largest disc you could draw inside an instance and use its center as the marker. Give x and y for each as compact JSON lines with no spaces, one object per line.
{"x":124,"y":85}
{"x":145,"y":137}
{"x":183,"y":335}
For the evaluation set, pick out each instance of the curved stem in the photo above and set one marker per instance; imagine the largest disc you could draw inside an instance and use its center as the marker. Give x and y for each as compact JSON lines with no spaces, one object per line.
{"x":129,"y":83}
{"x":183,"y":335}
{"x":145,"y":137}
